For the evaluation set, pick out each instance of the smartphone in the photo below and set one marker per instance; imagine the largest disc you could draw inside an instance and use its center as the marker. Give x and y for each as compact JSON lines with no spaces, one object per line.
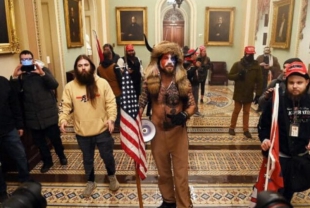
{"x":27,"y":68}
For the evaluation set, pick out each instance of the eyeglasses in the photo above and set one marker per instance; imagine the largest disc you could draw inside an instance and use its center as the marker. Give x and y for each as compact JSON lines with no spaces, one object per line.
{"x":26,"y":59}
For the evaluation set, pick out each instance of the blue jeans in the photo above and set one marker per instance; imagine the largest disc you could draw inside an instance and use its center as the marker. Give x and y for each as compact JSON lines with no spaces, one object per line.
{"x":15,"y":149}
{"x":39,"y":138}
{"x":105,"y":144}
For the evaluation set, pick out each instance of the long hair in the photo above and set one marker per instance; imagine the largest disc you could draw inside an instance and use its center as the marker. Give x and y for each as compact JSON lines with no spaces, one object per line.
{"x":91,"y":87}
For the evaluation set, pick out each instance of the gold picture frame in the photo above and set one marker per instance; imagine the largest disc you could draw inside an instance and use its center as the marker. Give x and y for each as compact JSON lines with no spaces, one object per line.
{"x":219,"y":26}
{"x":8,"y":39}
{"x":74,"y":25}
{"x":282,"y":24}
{"x":131,"y":24}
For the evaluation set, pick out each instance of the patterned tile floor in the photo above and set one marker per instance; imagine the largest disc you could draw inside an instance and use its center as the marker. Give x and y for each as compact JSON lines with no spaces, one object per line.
{"x":222,"y":168}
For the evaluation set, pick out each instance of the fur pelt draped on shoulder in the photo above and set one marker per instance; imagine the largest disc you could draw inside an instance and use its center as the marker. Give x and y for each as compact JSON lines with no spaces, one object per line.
{"x":152,"y":72}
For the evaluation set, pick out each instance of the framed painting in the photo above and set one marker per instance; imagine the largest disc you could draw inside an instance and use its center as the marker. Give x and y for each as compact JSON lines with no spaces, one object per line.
{"x":8,"y":39}
{"x":74,"y":26}
{"x":282,"y":23}
{"x":131,"y":24}
{"x":219,"y":26}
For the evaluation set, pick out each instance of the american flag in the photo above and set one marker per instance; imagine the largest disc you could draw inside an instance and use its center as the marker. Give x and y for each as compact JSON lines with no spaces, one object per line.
{"x":130,"y":127}
{"x":270,"y":176}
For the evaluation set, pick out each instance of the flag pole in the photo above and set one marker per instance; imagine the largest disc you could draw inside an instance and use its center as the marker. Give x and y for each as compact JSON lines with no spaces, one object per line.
{"x":138,"y":183}
{"x":99,"y":51}
{"x":270,"y":162}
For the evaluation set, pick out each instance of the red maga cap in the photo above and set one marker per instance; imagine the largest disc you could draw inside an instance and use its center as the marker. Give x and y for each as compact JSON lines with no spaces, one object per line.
{"x":202,"y":48}
{"x":249,"y":49}
{"x":295,"y":67}
{"x":129,"y":47}
{"x":191,"y":51}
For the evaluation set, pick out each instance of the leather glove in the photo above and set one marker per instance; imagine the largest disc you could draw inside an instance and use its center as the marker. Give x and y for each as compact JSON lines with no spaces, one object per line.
{"x":255,"y":100}
{"x":178,"y":119}
{"x":242,"y":74}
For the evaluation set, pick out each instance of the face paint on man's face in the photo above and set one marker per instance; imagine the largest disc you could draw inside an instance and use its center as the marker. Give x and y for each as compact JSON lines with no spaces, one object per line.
{"x":167,"y":60}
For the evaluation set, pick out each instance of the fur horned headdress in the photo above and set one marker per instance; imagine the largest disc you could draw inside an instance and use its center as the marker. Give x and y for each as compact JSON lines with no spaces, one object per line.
{"x":152,"y":72}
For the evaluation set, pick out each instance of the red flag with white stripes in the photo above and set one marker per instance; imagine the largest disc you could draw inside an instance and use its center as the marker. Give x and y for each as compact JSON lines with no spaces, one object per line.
{"x":270,"y":176}
{"x":130,"y":127}
{"x":100,"y":54}
{"x":274,"y":181}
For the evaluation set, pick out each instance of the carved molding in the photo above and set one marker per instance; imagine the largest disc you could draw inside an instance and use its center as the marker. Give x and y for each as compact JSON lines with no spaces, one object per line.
{"x":173,"y":15}
{"x":37,"y":31}
{"x":303,"y":17}
{"x":263,"y":7}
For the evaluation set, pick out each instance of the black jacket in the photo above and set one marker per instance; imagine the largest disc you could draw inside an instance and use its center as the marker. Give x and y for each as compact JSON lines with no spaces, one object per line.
{"x":38,"y":99}
{"x":134,"y":64}
{"x":192,"y":76}
{"x":10,"y":112}
{"x":290,"y":146}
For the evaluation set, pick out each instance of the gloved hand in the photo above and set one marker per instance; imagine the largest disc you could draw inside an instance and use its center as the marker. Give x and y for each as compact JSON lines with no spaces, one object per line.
{"x":242,"y":74}
{"x":178,"y":119}
{"x":255,"y":100}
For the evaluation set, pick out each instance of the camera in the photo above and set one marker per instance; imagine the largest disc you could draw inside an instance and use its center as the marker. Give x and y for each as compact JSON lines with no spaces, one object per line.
{"x":268,"y":199}
{"x":27,"y":68}
{"x":27,"y":195}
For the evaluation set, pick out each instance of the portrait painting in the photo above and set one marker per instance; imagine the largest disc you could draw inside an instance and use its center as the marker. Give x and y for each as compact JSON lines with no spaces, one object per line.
{"x":219,"y":24}
{"x":131,"y":24}
{"x":8,"y":39}
{"x":282,"y":23}
{"x":73,"y":19}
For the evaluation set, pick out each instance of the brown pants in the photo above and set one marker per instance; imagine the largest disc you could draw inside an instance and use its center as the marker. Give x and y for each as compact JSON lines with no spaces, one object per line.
{"x":170,"y":150}
{"x":246,"y":115}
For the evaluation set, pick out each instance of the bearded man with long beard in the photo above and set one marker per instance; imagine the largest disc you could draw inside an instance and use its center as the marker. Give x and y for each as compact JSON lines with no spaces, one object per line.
{"x":248,"y":79}
{"x":166,"y":84}
{"x":294,"y":130}
{"x":92,"y":102}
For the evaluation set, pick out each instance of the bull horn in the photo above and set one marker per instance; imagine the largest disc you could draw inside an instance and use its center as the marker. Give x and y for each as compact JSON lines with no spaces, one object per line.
{"x":189,"y":54}
{"x":149,"y":48}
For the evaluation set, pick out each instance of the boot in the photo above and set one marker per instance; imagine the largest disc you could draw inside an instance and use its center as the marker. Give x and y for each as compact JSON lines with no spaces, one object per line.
{"x":90,"y":187}
{"x":114,"y":184}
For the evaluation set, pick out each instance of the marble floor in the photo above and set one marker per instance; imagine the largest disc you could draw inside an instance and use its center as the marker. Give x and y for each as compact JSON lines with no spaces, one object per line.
{"x":222,"y":168}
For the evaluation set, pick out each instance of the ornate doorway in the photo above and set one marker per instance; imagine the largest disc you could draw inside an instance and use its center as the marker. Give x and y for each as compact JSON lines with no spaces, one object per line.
{"x":173,"y":27}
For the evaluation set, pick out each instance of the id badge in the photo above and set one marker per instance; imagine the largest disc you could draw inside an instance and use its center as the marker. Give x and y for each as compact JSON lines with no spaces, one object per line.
{"x":294,"y":129}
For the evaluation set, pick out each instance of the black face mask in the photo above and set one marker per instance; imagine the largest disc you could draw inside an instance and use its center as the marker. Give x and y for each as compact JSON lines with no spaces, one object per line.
{"x":249,"y":58}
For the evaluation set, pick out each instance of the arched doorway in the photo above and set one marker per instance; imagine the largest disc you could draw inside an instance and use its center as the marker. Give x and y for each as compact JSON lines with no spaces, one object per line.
{"x":173,"y":27}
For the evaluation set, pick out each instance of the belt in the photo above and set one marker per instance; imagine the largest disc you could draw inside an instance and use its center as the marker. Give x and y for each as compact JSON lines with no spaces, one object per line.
{"x":300,"y":154}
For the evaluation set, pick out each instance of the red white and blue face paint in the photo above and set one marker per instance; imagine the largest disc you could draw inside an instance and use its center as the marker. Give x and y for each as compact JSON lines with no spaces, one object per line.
{"x":167,"y":60}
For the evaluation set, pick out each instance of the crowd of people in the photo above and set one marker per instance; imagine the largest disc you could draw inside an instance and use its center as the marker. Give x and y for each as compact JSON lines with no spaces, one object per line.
{"x":169,"y":87}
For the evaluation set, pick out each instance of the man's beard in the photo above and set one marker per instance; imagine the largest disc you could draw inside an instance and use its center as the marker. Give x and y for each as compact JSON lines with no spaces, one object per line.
{"x":249,"y":58}
{"x":84,"y":77}
{"x":167,"y":72}
{"x":131,"y":55}
{"x":296,"y":98}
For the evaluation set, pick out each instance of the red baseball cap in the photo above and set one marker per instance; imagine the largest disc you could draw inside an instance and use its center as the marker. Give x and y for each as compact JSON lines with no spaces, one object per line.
{"x":191,"y":51}
{"x":249,"y":50}
{"x":296,"y":67}
{"x":129,"y":47}
{"x":202,"y":48}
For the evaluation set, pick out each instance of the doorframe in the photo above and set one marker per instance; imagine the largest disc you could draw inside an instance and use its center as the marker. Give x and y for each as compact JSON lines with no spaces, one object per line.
{"x":59,"y":68}
{"x":190,"y":21}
